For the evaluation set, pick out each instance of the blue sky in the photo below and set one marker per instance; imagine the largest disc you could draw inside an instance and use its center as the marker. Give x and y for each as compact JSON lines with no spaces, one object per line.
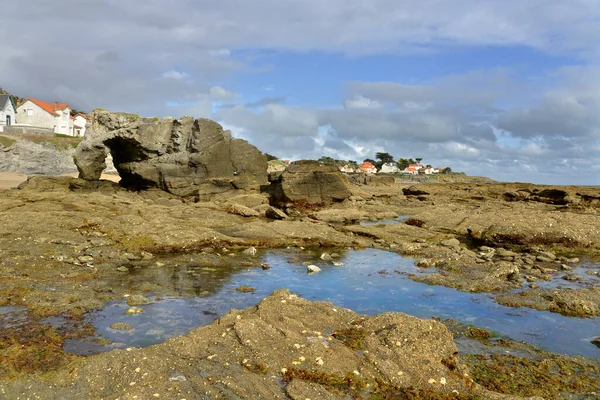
{"x":507,"y":89}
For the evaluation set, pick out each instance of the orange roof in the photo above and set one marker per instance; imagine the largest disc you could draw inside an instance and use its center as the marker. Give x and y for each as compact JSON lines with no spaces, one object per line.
{"x":51,"y":108}
{"x":367,"y":164}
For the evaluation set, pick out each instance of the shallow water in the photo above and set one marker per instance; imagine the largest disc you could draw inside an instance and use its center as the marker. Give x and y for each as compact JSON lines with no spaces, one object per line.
{"x":370,"y":282}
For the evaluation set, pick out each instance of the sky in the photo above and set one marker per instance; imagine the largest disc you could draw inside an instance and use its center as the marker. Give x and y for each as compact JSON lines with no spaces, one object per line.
{"x":508,"y":89}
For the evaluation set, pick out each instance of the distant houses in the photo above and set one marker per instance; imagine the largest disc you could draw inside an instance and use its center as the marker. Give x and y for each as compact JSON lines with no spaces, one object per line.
{"x":389,"y":168}
{"x":368,"y":168}
{"x":415,"y":169}
{"x":55,"y":116}
{"x":8,"y":111}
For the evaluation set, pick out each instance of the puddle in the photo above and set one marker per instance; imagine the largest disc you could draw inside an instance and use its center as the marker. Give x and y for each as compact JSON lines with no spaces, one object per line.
{"x":370,"y":282}
{"x":398,"y":220}
{"x":579,"y":277}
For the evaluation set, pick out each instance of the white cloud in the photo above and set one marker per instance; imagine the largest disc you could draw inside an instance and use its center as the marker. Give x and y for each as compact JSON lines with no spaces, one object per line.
{"x":175,"y":75}
{"x":222,"y":94}
{"x":359,"y":101}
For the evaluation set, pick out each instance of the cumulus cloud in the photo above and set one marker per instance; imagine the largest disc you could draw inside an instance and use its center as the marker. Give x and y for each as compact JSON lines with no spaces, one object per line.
{"x":222,"y":94}
{"x":175,"y":75}
{"x":133,"y":56}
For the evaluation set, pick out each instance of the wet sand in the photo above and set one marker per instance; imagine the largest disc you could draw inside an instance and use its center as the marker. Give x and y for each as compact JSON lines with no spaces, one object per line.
{"x":10,"y":180}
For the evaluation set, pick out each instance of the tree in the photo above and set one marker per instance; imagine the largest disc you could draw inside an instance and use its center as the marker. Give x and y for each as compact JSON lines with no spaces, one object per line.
{"x":403,"y":163}
{"x":419,"y":160}
{"x":447,"y":170}
{"x":327,"y":160}
{"x":384,"y":157}
{"x":369,"y":160}
{"x":271,"y":157}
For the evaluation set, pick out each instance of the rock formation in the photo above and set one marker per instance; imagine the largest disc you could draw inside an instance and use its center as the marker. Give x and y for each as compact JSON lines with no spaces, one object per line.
{"x":183,"y":156}
{"x":29,"y":158}
{"x":309,"y":182}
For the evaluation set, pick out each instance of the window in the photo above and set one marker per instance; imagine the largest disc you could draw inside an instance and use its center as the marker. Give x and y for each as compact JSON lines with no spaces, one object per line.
{"x":65,"y":116}
{"x":30,"y":112}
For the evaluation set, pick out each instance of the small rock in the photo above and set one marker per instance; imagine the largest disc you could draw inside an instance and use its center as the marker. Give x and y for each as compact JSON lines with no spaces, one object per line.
{"x":242,"y":210}
{"x":530,"y":278}
{"x":596,"y":342}
{"x":451,"y":243}
{"x":85,"y":259}
{"x":547,"y":254}
{"x":312,"y":269}
{"x":121,"y":326}
{"x":424,"y":263}
{"x":338,"y":263}
{"x":501,"y":252}
{"x":275,"y":213}
{"x":326,"y":257}
{"x":565,"y":267}
{"x":134,"y":310}
{"x":265,"y":266}
{"x":529,"y":259}
{"x":208,"y":250}
{"x":544,"y":259}
{"x":245,"y":289}
{"x":573,"y":260}
{"x":122,"y":268}
{"x":137,"y":300}
{"x":571,"y":277}
{"x":251,"y":251}
{"x":130,"y":256}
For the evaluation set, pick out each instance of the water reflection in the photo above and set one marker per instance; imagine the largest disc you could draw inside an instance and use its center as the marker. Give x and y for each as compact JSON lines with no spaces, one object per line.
{"x":369,"y":282}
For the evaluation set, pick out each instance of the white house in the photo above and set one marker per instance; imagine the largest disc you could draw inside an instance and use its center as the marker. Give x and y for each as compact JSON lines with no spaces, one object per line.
{"x":8,"y":111}
{"x":56,"y":116}
{"x":389,"y":168}
{"x":79,"y":124}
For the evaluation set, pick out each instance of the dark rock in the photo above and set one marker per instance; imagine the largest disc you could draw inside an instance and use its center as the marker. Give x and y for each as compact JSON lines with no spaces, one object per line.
{"x":414,"y":191}
{"x":309,"y":182}
{"x":275,"y":213}
{"x":183,"y":156}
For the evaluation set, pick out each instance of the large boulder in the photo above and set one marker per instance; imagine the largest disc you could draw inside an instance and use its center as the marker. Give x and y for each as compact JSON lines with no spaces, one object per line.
{"x":309,"y":182}
{"x":183,"y":156}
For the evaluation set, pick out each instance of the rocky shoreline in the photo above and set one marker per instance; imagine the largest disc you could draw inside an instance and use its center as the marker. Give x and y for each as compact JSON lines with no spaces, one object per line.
{"x":65,"y":244}
{"x":90,"y":231}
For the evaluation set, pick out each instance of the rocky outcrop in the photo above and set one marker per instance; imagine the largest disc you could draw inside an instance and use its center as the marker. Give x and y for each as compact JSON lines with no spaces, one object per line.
{"x":284,"y":345}
{"x":29,"y":158}
{"x":183,"y":156}
{"x":309,"y":182}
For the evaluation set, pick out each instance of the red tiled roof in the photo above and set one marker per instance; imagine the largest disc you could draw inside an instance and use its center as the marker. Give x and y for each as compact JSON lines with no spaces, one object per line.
{"x":48,"y":106}
{"x":367,"y":164}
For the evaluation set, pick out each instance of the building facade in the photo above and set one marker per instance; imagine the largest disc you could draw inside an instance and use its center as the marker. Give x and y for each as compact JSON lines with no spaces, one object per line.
{"x":8,"y":111}
{"x":55,"y":116}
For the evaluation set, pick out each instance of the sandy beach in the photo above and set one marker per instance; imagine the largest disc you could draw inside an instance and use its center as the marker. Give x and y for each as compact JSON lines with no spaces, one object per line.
{"x":10,"y":180}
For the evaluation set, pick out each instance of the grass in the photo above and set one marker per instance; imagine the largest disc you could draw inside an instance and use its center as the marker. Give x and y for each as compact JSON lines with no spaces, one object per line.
{"x":6,"y":142}
{"x":60,"y":142}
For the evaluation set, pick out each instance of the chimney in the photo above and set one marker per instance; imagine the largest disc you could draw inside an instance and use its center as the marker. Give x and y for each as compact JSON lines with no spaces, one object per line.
{"x":55,"y":105}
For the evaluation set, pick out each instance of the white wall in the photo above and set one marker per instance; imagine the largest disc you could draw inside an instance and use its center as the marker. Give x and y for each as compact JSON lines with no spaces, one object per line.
{"x":80,"y":121}
{"x":8,"y":110}
{"x":30,"y":113}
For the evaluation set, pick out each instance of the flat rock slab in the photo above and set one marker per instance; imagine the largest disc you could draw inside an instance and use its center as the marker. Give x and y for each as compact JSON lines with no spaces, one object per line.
{"x":285,"y":346}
